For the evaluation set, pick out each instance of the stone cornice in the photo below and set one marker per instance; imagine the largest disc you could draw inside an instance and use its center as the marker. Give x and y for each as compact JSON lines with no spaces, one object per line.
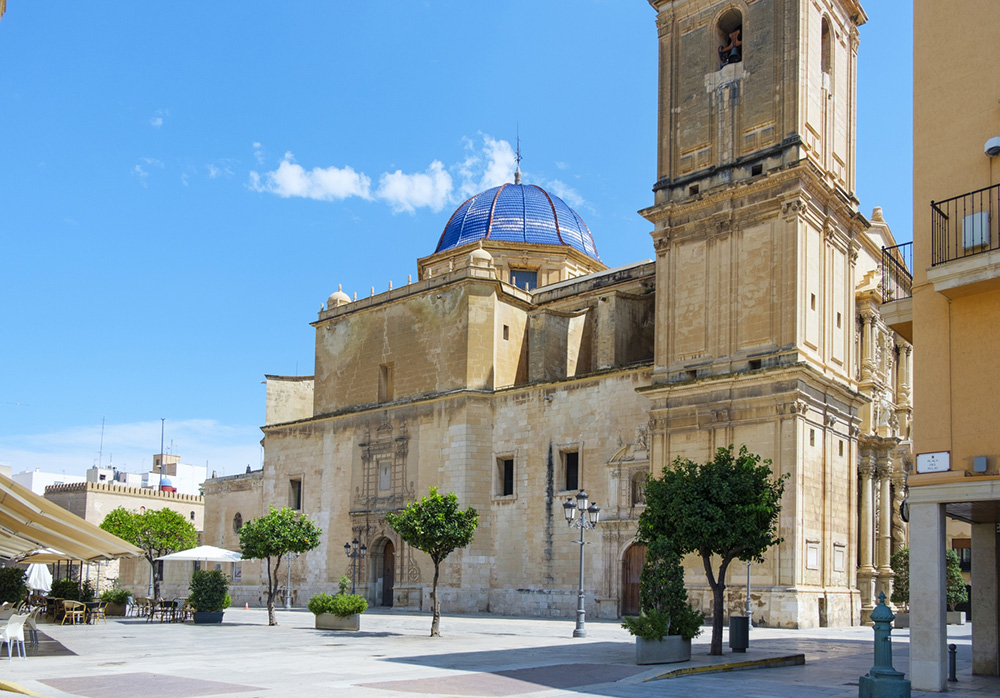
{"x":113,"y":488}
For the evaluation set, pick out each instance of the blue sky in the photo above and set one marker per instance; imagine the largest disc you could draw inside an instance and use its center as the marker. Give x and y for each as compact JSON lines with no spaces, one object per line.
{"x":183,"y":184}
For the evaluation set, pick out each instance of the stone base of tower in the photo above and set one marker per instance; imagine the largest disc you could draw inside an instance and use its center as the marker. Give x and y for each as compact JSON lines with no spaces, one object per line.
{"x":783,"y":607}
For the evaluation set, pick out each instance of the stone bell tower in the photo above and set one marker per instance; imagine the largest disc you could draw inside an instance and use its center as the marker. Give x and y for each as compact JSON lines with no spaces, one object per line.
{"x":755,"y":230}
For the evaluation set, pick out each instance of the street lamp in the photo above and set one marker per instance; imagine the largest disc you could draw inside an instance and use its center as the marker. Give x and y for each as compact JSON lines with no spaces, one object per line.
{"x":355,"y":553}
{"x":288,"y":580}
{"x":587,"y":519}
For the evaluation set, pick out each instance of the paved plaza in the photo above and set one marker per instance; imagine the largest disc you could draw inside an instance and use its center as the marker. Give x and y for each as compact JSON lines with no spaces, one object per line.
{"x":392,"y":656}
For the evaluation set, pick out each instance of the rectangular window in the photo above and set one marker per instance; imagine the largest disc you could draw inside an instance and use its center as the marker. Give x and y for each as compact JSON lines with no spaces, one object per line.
{"x":505,"y":477}
{"x":571,"y":470}
{"x":295,"y":493}
{"x":385,"y":383}
{"x":506,"y":332}
{"x":524,"y":279}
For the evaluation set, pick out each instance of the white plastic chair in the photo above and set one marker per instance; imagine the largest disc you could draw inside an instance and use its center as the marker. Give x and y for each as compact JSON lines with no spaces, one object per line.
{"x":32,"y":624}
{"x":11,"y":634}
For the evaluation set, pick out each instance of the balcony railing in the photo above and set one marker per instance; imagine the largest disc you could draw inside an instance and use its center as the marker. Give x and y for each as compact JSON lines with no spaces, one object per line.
{"x":965,"y":225}
{"x":897,"y":279}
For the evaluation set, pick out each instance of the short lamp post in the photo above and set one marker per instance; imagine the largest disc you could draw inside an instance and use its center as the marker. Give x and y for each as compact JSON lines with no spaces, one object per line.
{"x":586,"y":519}
{"x":355,"y":553}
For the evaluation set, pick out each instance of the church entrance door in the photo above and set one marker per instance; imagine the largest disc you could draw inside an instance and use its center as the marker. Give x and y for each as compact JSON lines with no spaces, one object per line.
{"x":631,"y":568}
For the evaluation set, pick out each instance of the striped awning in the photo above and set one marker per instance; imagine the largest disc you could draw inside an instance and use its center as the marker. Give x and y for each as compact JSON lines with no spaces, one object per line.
{"x":29,"y":522}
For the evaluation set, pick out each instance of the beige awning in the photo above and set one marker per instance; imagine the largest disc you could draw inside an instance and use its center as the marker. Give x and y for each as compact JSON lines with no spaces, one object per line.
{"x":29,"y":522}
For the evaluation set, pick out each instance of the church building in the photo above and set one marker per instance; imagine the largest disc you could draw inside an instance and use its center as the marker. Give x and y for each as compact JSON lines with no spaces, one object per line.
{"x":518,"y":369}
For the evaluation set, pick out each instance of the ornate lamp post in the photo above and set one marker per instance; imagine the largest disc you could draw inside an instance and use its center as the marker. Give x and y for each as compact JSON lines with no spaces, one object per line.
{"x":587,"y":519}
{"x":355,"y":553}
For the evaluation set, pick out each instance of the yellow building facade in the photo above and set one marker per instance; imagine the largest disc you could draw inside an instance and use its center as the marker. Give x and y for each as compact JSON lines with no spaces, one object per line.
{"x":955,"y":315}
{"x":518,"y":369}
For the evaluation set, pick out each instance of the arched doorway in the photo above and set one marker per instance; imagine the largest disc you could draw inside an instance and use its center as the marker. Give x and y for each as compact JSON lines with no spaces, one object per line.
{"x":383,"y":572}
{"x":632,"y":563}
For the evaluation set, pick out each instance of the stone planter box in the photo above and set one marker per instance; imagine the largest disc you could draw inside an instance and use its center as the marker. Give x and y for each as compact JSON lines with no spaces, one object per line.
{"x":670,"y":649}
{"x":954,"y":618}
{"x":115,"y":609}
{"x":208,"y":617}
{"x":328,"y":621}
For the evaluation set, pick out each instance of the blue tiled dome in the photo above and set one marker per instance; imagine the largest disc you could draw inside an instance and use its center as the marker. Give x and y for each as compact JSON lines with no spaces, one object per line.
{"x":517,"y":213}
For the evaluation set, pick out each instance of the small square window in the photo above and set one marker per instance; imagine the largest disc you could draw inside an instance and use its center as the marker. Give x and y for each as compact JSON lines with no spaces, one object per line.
{"x":693,"y":189}
{"x":571,"y":470}
{"x":506,"y":332}
{"x":756,"y":170}
{"x":840,"y":448}
{"x":295,"y":493}
{"x":812,"y":437}
{"x":524,"y":279}
{"x":505,"y":477}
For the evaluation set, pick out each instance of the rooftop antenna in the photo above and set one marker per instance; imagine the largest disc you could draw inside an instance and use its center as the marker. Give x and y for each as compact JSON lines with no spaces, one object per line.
{"x":100,"y":450}
{"x":517,"y":157}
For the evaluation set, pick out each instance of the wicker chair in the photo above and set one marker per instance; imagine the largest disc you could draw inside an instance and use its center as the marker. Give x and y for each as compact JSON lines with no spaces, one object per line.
{"x":74,"y":611}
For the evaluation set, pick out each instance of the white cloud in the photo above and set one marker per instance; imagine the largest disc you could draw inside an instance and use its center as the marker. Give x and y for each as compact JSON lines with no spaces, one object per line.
{"x":486,"y":167}
{"x":156,"y":121}
{"x":565,"y":192}
{"x":329,"y":184}
{"x":130,"y":447}
{"x":258,"y":152}
{"x":408,"y":192}
{"x":139,"y":172}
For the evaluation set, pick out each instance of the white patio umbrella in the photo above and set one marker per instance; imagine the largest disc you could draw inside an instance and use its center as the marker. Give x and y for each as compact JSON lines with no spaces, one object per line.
{"x":39,"y":578}
{"x":204,"y":553}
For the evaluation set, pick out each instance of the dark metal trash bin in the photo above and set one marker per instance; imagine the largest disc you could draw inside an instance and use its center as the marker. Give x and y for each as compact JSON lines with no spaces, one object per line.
{"x":739,"y":633}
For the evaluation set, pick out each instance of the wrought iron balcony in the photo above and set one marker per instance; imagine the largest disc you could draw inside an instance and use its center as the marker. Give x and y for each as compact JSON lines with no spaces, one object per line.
{"x":897,"y":279}
{"x":965,"y":225}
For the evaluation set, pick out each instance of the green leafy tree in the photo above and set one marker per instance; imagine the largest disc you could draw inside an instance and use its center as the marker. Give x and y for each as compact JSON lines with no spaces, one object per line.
{"x":157,"y":532}
{"x":957,"y":593}
{"x":727,"y":507}
{"x":435,"y":525}
{"x":271,"y":537}
{"x":900,"y":563}
{"x":663,"y":598}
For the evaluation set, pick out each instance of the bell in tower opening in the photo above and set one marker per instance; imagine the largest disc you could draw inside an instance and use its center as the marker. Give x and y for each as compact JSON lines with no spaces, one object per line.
{"x":730,"y":29}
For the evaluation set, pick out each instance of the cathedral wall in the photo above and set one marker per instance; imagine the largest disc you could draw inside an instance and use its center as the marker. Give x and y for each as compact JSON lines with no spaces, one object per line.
{"x":289,"y":398}
{"x":424,"y":339}
{"x":511,"y":348}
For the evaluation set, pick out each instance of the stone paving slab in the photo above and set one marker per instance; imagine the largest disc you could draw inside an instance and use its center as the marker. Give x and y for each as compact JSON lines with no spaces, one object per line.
{"x":142,"y":684}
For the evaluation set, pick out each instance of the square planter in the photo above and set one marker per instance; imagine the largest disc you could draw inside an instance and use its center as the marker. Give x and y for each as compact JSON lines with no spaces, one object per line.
{"x":956,"y":617}
{"x":207,"y":617}
{"x":670,"y":649}
{"x":115,"y":609}
{"x":902,"y":620}
{"x":328,"y":621}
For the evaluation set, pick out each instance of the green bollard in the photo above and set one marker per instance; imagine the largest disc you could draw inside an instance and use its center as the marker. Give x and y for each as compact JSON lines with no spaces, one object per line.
{"x":882,"y":681}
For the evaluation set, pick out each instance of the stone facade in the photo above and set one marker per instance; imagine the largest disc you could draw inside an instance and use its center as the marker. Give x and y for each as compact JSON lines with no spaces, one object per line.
{"x":93,"y":501}
{"x":757,"y":323}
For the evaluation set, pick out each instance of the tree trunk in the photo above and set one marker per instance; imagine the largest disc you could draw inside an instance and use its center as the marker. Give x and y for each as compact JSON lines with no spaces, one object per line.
{"x":718,"y":599}
{"x":156,"y":581}
{"x":436,"y":622}
{"x":271,"y":591}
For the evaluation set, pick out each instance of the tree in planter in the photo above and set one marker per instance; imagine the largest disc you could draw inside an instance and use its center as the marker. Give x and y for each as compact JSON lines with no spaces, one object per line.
{"x":727,"y":507}
{"x":662,"y":597}
{"x":72,"y":590}
{"x":900,"y":564}
{"x":157,"y":532}
{"x":270,"y":538}
{"x":208,"y":591}
{"x":435,"y":525}
{"x":955,"y":590}
{"x":13,"y":585}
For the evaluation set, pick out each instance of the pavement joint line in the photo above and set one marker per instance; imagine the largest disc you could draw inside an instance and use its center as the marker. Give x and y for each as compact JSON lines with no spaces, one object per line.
{"x":12,"y":687}
{"x":770,"y":662}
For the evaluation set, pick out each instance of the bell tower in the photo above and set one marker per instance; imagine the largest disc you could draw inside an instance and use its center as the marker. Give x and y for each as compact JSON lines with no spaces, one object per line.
{"x":755,"y":226}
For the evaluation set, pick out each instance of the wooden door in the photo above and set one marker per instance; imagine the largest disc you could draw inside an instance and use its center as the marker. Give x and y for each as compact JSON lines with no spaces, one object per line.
{"x":388,"y":573}
{"x":635,"y":556}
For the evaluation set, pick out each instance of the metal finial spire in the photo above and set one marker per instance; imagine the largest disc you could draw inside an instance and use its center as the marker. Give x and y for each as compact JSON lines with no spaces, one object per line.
{"x":517,"y":159}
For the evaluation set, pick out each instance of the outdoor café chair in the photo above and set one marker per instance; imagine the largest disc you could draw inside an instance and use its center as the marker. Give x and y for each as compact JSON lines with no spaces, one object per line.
{"x":100,"y":613}
{"x":13,"y":635}
{"x":32,"y":624}
{"x":73,"y":610}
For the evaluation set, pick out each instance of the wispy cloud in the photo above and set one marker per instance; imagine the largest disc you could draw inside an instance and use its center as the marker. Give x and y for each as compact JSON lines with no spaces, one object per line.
{"x":488,"y":162}
{"x":323,"y":184}
{"x":408,"y":192}
{"x":564,"y":192}
{"x":130,"y":447}
{"x":142,"y":173}
{"x":156,"y":120}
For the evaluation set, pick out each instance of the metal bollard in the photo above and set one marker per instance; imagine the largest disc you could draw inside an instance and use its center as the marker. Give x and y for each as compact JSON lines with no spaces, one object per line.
{"x":952,"y":654}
